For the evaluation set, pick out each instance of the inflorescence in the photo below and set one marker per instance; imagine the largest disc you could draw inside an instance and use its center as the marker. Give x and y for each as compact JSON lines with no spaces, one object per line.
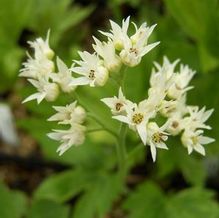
{"x":166,"y":95}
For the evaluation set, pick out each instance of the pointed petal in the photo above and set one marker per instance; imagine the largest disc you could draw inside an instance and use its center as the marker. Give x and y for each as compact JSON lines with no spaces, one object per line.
{"x":149,"y":47}
{"x":122,"y":119}
{"x":142,"y":132}
{"x":110,"y":102}
{"x":153,"y":151}
{"x":200,"y":149}
{"x":62,"y":68}
{"x":34,"y":96}
{"x":162,"y":146}
{"x":205,"y":140}
{"x":80,"y":81}
{"x":190,"y":149}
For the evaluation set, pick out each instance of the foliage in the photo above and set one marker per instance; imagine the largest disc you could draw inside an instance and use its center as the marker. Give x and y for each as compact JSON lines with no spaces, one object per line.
{"x":188,"y":29}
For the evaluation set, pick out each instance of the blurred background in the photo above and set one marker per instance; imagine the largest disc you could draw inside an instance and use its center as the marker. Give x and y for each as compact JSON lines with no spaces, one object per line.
{"x":36,"y":183}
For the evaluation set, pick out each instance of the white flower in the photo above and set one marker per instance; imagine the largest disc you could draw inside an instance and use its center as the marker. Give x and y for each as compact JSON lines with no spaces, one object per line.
{"x":181,"y":82}
{"x":156,"y":138}
{"x":63,"y":77}
{"x":168,"y":68}
{"x":106,"y":50}
{"x":135,"y":48}
{"x":176,"y":124}
{"x":194,"y":140}
{"x":41,"y":47}
{"x":142,"y":32}
{"x":73,"y":136}
{"x":46,"y":89}
{"x":197,"y":118}
{"x":118,"y":34}
{"x":137,"y":118}
{"x":131,"y":54}
{"x":160,"y":82}
{"x":117,"y":104}
{"x":171,"y":107}
{"x":34,"y":68}
{"x":91,"y":69}
{"x":69,"y":114}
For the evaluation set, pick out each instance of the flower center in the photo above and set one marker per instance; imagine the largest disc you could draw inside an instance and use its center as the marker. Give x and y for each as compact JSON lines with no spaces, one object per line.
{"x":133,"y":50}
{"x":194,"y":140}
{"x":137,"y":118}
{"x":158,"y":137}
{"x":175,"y":124}
{"x":118,"y":106}
{"x":91,"y":74}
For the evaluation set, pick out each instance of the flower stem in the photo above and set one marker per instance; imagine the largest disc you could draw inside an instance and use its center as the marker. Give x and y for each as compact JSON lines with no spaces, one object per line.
{"x":122,"y":78}
{"x":94,"y":117}
{"x":121,"y":150}
{"x":94,"y":130}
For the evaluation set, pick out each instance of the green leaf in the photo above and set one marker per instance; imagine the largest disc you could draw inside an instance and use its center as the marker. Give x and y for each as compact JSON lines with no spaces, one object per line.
{"x":48,"y":209}
{"x":147,"y":201}
{"x":199,"y":24}
{"x":211,"y":40}
{"x":58,"y":17}
{"x":99,"y":197}
{"x":12,"y":203}
{"x":177,"y":158}
{"x":192,"y":203}
{"x":19,"y":12}
{"x":63,"y":186}
{"x":191,"y":15}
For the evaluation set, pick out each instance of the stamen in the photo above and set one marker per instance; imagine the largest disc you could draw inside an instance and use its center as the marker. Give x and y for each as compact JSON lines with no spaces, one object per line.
{"x":137,"y":118}
{"x":118,"y":106}
{"x":158,"y":137}
{"x":92,"y":74}
{"x":175,"y":124}
{"x":133,"y":50}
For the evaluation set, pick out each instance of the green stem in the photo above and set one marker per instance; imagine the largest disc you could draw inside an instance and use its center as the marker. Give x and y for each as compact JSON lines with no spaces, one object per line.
{"x":122,"y":78}
{"x":94,"y":117}
{"x":121,"y":149}
{"x":94,"y":130}
{"x":91,"y":115}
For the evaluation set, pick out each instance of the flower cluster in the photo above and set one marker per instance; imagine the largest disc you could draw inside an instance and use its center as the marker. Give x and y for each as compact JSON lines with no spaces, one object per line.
{"x":39,"y":70}
{"x":74,"y":116}
{"x":166,"y":97}
{"x":95,"y":68}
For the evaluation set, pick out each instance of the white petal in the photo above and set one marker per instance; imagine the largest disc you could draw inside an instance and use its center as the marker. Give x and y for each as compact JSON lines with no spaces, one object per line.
{"x":80,"y":70}
{"x":205,"y":140}
{"x":153,"y":151}
{"x":121,"y":96}
{"x":63,"y":148}
{"x":200,"y":149}
{"x":142,"y":132}
{"x":162,"y":146}
{"x":55,"y":135}
{"x":61,"y":65}
{"x":34,"y":82}
{"x":190,"y":149}
{"x":149,"y":47}
{"x":80,"y":81}
{"x":122,"y":119}
{"x":34,"y":96}
{"x":110,"y":102}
